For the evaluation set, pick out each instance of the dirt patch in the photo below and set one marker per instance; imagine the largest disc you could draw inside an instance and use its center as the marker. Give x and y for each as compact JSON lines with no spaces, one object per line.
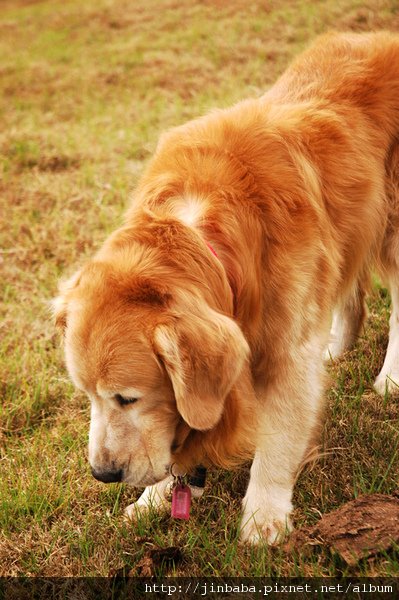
{"x":153,"y":559}
{"x":361,"y":528}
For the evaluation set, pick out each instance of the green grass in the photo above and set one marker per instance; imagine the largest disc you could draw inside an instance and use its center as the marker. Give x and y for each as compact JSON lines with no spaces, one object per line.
{"x":85,"y":90}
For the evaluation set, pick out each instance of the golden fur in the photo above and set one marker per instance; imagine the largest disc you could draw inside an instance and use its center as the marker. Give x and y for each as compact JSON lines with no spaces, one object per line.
{"x":297,"y":192}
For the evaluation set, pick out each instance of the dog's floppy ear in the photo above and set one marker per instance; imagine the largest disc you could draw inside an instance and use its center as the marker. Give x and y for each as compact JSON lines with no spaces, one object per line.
{"x":60,"y":303}
{"x":203,"y":355}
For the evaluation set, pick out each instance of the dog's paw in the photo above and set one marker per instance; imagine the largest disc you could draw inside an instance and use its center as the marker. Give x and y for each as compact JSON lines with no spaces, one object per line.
{"x":331,"y":353}
{"x":334,"y":351}
{"x":154,"y":498}
{"x":387,"y":382}
{"x":271,"y":533}
{"x":136,"y":511}
{"x":265,"y":525}
{"x":140,"y":510}
{"x":144,"y":506}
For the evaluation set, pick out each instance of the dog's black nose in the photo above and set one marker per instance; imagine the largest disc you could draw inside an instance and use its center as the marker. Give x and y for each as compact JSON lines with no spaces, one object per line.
{"x":107,"y":476}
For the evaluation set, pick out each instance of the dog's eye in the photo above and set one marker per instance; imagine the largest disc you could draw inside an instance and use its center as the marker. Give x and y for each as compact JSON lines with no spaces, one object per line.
{"x":123,"y":401}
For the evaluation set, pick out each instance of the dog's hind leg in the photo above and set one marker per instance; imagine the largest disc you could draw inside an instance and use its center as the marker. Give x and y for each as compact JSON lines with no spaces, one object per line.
{"x":347,"y":322}
{"x":388,"y":378}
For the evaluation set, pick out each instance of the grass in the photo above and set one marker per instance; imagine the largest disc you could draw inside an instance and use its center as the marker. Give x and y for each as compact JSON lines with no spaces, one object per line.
{"x":86,"y":88}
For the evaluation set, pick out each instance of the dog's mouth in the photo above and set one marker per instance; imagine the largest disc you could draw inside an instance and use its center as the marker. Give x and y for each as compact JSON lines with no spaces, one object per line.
{"x":149,"y":478}
{"x":134,"y":479}
{"x":146,"y":481}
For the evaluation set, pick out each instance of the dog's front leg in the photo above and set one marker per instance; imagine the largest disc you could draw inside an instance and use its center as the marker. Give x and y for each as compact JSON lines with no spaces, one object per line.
{"x":266,"y":505}
{"x":153,"y":497}
{"x":291,"y":410}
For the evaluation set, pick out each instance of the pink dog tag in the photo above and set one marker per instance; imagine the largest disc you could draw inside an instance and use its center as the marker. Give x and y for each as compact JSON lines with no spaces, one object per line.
{"x":181,"y":500}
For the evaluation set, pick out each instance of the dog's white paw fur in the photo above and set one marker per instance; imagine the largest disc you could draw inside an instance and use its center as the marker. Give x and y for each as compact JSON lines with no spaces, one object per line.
{"x":153,"y":498}
{"x":264,"y":523}
{"x":332,"y":352}
{"x":266,"y":529}
{"x":136,"y":511}
{"x":388,"y":379}
{"x":387,"y":382}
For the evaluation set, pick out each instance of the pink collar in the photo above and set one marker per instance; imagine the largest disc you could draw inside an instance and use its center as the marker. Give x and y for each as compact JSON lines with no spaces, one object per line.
{"x":211,"y":249}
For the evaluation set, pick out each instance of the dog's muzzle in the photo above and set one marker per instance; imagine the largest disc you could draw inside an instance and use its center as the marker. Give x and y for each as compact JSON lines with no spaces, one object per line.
{"x":108,"y":476}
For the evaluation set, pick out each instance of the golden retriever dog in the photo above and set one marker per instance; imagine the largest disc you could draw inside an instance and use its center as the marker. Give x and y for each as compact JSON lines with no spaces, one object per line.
{"x":198,"y":330}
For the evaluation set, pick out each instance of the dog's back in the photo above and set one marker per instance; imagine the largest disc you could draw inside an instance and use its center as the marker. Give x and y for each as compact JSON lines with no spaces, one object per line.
{"x":306,"y":157}
{"x":360,"y":70}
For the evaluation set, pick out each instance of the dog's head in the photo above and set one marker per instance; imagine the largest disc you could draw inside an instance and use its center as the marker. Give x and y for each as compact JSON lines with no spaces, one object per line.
{"x":155,"y":360}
